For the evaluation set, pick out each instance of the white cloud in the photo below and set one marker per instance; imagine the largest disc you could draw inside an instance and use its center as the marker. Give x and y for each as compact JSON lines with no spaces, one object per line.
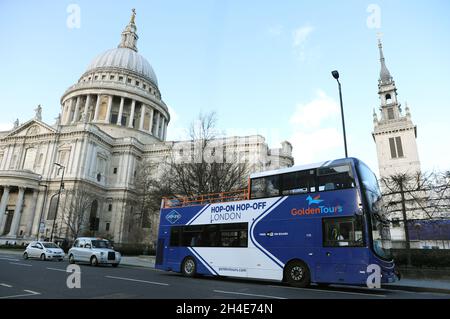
{"x":301,"y":34}
{"x":318,"y":145}
{"x":174,"y":131}
{"x":5,"y":126}
{"x":311,"y":114}
{"x":315,"y":136}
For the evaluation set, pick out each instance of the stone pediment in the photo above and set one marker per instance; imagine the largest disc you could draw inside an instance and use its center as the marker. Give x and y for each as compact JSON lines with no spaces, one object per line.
{"x":31,"y":128}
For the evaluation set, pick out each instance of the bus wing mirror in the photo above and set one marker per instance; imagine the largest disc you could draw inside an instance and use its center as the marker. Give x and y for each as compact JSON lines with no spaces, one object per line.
{"x":360,"y":211}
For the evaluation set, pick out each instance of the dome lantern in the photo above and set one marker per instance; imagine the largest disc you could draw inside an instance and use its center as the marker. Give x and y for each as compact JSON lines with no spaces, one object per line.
{"x":129,"y":36}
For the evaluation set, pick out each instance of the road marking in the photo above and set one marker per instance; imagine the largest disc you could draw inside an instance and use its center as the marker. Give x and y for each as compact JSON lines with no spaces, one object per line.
{"x":30,"y":293}
{"x":57,"y":269}
{"x":245,"y":294}
{"x":137,"y":280}
{"x":9,"y":259}
{"x":331,"y":291}
{"x":19,"y":264}
{"x":5,"y":285}
{"x":64,"y":270}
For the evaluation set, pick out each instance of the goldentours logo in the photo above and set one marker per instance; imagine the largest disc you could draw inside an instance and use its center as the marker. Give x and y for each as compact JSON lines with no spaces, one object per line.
{"x":315,"y":207}
{"x":173,"y":216}
{"x":315,"y":200}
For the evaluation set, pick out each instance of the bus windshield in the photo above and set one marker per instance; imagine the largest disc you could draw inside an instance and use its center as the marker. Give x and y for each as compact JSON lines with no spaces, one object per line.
{"x":381,"y":238}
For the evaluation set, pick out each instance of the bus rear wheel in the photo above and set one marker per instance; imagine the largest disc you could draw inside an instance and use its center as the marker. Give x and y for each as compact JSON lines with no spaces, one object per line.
{"x":189,"y":267}
{"x":297,"y":274}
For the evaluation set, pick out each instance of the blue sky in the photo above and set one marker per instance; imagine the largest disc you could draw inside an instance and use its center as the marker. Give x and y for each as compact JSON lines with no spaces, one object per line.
{"x":263,"y":66}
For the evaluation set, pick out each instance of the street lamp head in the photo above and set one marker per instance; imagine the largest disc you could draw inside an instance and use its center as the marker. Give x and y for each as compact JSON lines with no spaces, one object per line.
{"x":335,"y":74}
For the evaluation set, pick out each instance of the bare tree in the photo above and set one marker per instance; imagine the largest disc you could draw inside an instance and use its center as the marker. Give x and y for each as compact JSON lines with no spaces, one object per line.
{"x":420,"y":195}
{"x":203,"y":166}
{"x":77,"y":210}
{"x":423,"y":196}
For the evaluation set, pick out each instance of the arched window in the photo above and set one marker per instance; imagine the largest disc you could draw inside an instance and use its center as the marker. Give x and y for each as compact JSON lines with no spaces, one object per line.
{"x":30,"y":157}
{"x":93,"y":220}
{"x":388,"y":99}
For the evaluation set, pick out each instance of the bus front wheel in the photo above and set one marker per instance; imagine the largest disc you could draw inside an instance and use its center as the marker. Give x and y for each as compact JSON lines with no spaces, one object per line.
{"x":189,"y":267}
{"x":297,"y":274}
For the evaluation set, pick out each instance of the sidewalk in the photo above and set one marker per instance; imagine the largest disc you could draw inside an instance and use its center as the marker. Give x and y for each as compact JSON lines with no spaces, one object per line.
{"x":421,"y":285}
{"x":138,"y":261}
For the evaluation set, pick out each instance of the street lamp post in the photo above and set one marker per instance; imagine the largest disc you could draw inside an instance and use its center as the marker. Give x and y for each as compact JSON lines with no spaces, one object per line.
{"x":61,"y":187}
{"x":336,"y":76}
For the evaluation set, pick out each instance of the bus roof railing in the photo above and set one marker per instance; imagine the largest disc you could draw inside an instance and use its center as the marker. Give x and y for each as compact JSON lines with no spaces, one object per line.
{"x":183,"y":201}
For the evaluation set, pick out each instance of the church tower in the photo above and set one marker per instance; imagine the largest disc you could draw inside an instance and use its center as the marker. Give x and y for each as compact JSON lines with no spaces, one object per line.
{"x":394,"y":133}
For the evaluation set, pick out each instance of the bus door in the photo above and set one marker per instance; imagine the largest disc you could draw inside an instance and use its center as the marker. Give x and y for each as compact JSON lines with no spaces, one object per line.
{"x":340,"y":256}
{"x":160,"y":250}
{"x":171,"y":235}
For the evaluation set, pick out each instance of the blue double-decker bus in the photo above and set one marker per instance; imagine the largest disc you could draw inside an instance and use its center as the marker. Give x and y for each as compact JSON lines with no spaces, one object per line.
{"x":320,"y":223}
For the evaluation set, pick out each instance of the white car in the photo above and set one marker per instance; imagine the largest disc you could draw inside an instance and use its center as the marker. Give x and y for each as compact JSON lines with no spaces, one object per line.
{"x":43,"y":250}
{"x":94,"y":251}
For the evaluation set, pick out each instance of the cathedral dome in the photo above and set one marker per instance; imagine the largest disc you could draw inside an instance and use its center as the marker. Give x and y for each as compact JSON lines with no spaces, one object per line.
{"x":119,"y":93}
{"x":127,"y":59}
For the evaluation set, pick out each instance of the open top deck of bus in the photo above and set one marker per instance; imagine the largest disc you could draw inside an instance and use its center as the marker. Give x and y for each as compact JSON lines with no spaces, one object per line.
{"x":242,"y":194}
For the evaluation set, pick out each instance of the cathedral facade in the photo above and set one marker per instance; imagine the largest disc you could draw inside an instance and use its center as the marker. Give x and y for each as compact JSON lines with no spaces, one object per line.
{"x":111,"y":120}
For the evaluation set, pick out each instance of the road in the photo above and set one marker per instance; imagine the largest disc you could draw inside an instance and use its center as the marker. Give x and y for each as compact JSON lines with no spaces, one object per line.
{"x":47,"y":279}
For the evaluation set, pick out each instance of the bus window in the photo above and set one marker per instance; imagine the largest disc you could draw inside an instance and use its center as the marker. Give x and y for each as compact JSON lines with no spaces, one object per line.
{"x":298,"y":183}
{"x":234,"y":235}
{"x":334,"y":178}
{"x":217,"y":235}
{"x":268,"y":186}
{"x":191,"y":236}
{"x":343,"y":231}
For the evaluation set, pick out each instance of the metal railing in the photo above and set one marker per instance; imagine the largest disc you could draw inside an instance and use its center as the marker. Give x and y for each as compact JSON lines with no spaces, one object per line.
{"x":183,"y":201}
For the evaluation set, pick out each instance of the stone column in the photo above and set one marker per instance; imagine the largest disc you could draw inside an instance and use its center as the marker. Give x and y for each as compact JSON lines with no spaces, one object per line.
{"x":32,"y":212}
{"x":165,"y":132}
{"x":150,"y":127}
{"x":108,"y":112}
{"x":17,"y":213}
{"x":119,"y":117}
{"x":130,"y":122}
{"x":161,"y":130}
{"x":66,"y":110}
{"x":77,"y":110}
{"x":157,"y":124}
{"x":37,"y":216}
{"x":97,"y":107}
{"x":141,"y":122}
{"x":69,"y":111}
{"x":3,"y":204}
{"x":86,"y":106}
